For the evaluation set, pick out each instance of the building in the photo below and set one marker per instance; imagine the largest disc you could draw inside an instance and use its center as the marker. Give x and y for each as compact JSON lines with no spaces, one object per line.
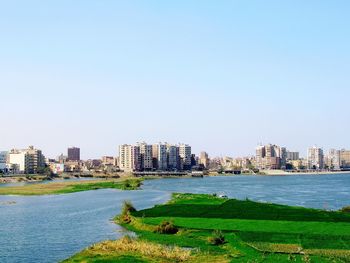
{"x":129,"y":158}
{"x":108,"y":160}
{"x":172,"y":157}
{"x":162,"y":160}
{"x":28,"y":161}
{"x":204,"y":159}
{"x":292,"y":156}
{"x":344,"y":159}
{"x":315,"y":158}
{"x":271,"y":157}
{"x":185,"y":156}
{"x":146,"y":156}
{"x":73,"y":154}
{"x":333,"y":159}
{"x":3,"y":161}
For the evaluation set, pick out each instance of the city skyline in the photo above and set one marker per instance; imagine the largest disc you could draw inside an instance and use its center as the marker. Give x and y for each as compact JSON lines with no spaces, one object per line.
{"x":221,"y":76}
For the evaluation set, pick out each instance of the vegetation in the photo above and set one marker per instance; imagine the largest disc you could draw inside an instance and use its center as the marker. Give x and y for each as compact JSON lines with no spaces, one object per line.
{"x":217,"y":238}
{"x":166,"y":227}
{"x":69,"y":187}
{"x":345,"y":209}
{"x":211,"y":229}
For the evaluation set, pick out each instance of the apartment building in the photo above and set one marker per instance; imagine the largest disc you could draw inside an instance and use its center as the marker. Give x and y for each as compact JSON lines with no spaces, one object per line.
{"x":315,"y":158}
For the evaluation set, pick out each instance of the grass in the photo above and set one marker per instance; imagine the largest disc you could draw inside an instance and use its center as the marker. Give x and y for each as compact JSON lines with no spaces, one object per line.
{"x":70,"y":187}
{"x":249,"y":231}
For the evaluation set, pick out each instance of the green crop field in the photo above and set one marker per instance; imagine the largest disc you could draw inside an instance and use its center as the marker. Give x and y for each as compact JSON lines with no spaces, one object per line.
{"x":249,"y":232}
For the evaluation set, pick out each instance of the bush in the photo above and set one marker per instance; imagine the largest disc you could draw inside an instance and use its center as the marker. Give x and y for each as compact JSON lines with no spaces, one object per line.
{"x":166,"y":227}
{"x":346,"y":209}
{"x":217,"y":238}
{"x":127,"y":208}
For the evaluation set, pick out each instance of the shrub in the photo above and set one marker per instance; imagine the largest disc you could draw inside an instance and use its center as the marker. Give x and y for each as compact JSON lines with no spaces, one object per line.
{"x":217,"y":238}
{"x":166,"y":227}
{"x":127,"y":208}
{"x":346,"y":209}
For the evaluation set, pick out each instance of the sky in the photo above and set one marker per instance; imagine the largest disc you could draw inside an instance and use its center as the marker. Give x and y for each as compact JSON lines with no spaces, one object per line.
{"x":222,"y":76}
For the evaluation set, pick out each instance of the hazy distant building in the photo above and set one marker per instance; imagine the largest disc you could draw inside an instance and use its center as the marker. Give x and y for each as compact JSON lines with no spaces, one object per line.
{"x":204,"y":159}
{"x":73,"y":154}
{"x":315,"y":158}
{"x":332,"y":160}
{"x":292,"y":156}
{"x":108,"y":160}
{"x":345,"y":158}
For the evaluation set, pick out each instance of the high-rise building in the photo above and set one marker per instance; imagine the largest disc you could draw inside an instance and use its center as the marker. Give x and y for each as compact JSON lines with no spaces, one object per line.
{"x":146,"y":156}
{"x":315,"y":158}
{"x":73,"y":154}
{"x":172,"y":157}
{"x":3,"y":160}
{"x":345,"y":158}
{"x":129,"y":157}
{"x":162,"y":156}
{"x":185,"y":156}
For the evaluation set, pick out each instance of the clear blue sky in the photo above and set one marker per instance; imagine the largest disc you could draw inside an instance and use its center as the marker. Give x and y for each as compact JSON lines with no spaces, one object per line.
{"x":219,"y":75}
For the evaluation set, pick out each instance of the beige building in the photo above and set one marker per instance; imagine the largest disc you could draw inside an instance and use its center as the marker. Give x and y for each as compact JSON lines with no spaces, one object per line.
{"x":185,"y":156}
{"x":345,"y":158}
{"x":146,"y":156}
{"x":204,"y":159}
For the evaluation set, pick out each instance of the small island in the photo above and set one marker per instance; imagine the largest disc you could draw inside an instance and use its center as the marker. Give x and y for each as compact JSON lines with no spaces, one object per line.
{"x":71,"y":187}
{"x":207,"y":228}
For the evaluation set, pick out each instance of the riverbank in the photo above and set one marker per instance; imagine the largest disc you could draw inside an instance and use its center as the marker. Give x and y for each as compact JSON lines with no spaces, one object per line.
{"x":71,"y":187}
{"x":205,"y":228}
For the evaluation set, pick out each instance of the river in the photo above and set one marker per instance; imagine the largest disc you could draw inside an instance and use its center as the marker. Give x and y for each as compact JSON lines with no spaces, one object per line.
{"x":53,"y":227}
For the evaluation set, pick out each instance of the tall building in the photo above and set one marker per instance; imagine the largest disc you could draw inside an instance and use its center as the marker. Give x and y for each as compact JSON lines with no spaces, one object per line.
{"x":129,"y":158}
{"x":315,"y":158}
{"x":204,"y":159}
{"x":185,"y":156}
{"x":345,"y":158}
{"x":260,"y":155}
{"x":27,"y":161}
{"x":146,"y":156}
{"x":172,"y":157}
{"x":73,"y":154}
{"x":3,"y":160}
{"x":162,"y":156}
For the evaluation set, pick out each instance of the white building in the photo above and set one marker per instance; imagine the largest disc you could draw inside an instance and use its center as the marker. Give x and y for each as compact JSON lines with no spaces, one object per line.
{"x":26,"y":161}
{"x":315,"y":158}
{"x":185,"y":156}
{"x":129,"y":157}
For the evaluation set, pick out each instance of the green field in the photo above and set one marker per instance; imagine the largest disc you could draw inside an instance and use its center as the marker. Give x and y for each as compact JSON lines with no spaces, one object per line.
{"x":70,"y":187}
{"x":252,"y":232}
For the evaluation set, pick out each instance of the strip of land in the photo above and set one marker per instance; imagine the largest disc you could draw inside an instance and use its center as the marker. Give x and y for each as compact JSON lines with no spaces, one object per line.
{"x":204,"y":228}
{"x":70,"y":187}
